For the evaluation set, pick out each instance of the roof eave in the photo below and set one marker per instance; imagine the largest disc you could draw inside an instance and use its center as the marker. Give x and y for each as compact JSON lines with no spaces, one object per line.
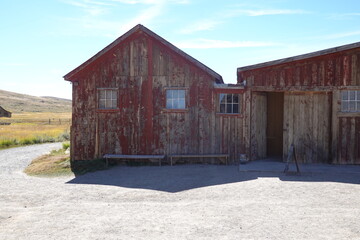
{"x":300,"y":57}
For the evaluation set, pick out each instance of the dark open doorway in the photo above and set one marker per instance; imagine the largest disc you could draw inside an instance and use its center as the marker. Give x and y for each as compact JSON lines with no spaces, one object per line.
{"x":274,"y":124}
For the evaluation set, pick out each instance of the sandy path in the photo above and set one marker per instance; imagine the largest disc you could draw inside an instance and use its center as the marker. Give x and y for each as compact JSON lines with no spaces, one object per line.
{"x":180,"y":202}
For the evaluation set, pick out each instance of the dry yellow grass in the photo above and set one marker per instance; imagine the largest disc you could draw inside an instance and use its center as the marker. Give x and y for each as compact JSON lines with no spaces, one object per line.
{"x":21,"y":131}
{"x":49,"y":165}
{"x":28,"y":128}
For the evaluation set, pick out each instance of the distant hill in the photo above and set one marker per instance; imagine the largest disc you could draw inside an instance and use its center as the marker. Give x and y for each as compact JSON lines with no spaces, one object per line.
{"x":17,"y":103}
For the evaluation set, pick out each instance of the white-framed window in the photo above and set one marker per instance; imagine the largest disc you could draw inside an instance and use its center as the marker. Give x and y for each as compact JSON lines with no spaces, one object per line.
{"x":108,"y":98}
{"x":350,"y":101}
{"x":175,"y":99}
{"x":229,"y":103}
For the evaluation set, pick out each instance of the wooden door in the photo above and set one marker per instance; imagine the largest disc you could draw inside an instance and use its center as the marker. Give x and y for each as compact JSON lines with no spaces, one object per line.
{"x":258,"y":125}
{"x":307,"y":125}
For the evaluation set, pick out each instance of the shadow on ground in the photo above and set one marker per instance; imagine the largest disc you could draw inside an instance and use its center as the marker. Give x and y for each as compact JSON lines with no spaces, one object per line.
{"x":185,"y":177}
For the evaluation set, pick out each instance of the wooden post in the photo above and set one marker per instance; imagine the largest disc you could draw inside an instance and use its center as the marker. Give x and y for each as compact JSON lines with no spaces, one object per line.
{"x":291,"y":155}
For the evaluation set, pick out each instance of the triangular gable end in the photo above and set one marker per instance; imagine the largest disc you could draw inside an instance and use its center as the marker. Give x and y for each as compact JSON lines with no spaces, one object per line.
{"x":137,"y":28}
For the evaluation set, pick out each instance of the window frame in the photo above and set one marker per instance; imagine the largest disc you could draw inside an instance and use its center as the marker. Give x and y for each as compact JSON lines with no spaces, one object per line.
{"x":112,"y":99}
{"x":226,"y":104}
{"x":350,"y":99}
{"x":184,"y":104}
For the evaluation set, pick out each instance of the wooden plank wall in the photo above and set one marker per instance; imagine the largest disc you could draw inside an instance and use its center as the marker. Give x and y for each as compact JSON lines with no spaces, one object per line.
{"x":345,"y":135}
{"x":337,"y":69}
{"x":258,"y":125}
{"x":307,"y":124}
{"x":335,"y":140}
{"x":141,"y":68}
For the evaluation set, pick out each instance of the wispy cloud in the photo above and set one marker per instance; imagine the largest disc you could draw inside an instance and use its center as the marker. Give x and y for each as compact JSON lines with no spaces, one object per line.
{"x":342,"y":35}
{"x":264,"y":12}
{"x":151,"y":1}
{"x":97,"y":12}
{"x":201,"y":25}
{"x":92,"y":8}
{"x":145,"y":16}
{"x":340,"y":16}
{"x":210,"y":43}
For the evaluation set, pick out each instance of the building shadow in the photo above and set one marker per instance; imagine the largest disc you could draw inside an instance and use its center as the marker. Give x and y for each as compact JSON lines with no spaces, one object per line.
{"x":179,"y":178}
{"x":166,"y":178}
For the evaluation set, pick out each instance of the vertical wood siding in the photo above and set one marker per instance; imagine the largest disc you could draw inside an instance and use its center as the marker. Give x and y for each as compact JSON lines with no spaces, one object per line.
{"x":258,"y":125}
{"x":349,"y":140}
{"x":307,"y":124}
{"x":312,"y":117}
{"x":142,"y":68}
{"x":337,"y":69}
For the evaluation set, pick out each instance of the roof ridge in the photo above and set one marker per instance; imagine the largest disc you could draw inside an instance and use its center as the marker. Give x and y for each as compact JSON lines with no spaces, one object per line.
{"x":138,"y":27}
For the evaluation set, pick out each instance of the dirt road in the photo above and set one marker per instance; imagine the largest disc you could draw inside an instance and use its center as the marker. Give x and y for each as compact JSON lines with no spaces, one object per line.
{"x":179,"y":202}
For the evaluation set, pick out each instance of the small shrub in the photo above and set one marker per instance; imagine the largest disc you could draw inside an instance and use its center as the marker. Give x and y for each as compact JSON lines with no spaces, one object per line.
{"x":26,"y":141}
{"x":48,"y":139}
{"x":37,"y":140}
{"x":8,"y":143}
{"x":65,"y":136}
{"x":65,"y":145}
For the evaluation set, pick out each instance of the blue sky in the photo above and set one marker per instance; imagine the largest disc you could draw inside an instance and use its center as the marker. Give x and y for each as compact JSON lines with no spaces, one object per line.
{"x":42,"y":40}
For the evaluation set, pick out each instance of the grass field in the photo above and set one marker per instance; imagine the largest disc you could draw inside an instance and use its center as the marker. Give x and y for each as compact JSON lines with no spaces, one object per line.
{"x":32,"y":128}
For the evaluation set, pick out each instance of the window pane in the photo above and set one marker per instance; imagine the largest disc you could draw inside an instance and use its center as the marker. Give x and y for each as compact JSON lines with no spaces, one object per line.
{"x":358,"y":95}
{"x":222,"y":98}
{"x":228,"y":108}
{"x":114,"y":104}
{"x":222,"y":108}
{"x":107,"y":104}
{"x":235,"y":98}
{"x":352,"y":95}
{"x":181,"y":93}
{"x":108,"y":94}
{"x":168,"y":94}
{"x":358,"y":106}
{"x":102,"y":104}
{"x":235,"y":108}
{"x":228,"y":98}
{"x":352,"y":106}
{"x":102,"y":94}
{"x":344,"y":95}
{"x":181,"y":103}
{"x":168,"y":103}
{"x":175,"y":104}
{"x":114,"y":95}
{"x":175,"y":93}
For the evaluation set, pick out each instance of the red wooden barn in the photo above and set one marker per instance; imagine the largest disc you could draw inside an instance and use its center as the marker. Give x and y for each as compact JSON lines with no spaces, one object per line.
{"x":141,"y":96}
{"x":311,"y":101}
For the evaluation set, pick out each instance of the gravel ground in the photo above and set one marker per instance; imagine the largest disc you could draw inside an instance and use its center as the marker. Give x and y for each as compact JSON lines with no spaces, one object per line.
{"x":179,"y":202}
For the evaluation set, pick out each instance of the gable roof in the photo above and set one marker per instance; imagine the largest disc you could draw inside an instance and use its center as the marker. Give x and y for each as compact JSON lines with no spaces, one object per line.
{"x":301,"y":57}
{"x":139,"y":28}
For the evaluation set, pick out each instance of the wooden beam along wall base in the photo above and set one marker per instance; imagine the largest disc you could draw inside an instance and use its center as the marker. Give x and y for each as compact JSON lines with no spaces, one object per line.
{"x":222,"y":157}
{"x":151,"y":158}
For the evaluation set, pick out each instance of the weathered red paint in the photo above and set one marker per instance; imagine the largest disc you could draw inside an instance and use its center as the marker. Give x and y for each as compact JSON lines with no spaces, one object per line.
{"x":328,"y":71}
{"x":142,"y":66}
